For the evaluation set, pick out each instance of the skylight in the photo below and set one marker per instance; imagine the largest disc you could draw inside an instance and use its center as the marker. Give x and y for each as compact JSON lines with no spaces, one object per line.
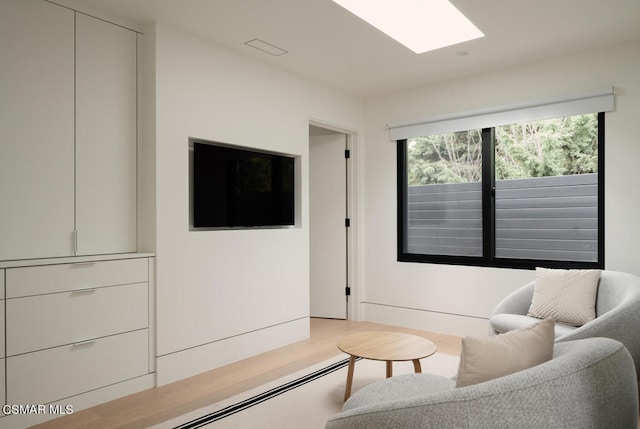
{"x":420,"y":25}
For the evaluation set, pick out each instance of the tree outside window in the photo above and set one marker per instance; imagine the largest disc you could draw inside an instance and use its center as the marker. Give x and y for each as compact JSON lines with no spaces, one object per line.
{"x":540,"y":201}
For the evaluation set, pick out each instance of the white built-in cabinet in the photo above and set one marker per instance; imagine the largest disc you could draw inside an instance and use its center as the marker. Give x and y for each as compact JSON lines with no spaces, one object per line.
{"x":67,"y":133}
{"x":74,"y":330}
{"x":76,"y":301}
{"x":64,"y":322}
{"x":2,"y":352}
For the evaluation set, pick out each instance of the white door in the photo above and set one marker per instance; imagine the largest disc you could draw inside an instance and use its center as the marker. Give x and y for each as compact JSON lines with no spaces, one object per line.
{"x":328,"y":211}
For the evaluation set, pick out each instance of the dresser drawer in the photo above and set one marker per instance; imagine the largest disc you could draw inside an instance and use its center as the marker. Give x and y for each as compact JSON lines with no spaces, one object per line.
{"x":2,"y":354}
{"x":61,"y":372}
{"x":2,"y":381}
{"x":45,"y":321}
{"x":2,"y":320}
{"x":27,"y":281}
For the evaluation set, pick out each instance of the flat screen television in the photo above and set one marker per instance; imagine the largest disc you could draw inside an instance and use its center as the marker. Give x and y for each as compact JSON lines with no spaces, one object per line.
{"x":240,"y":187}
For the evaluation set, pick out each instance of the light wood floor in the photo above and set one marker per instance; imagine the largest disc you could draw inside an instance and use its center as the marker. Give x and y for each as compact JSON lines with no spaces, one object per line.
{"x":154,"y":406}
{"x":157,"y":405}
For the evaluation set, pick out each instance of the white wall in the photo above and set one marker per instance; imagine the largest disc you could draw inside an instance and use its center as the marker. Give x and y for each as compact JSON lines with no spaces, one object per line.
{"x":457,"y":299}
{"x":225,"y":295}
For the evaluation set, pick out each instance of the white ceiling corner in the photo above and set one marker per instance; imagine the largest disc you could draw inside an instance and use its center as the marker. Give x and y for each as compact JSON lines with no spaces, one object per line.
{"x":328,"y":44}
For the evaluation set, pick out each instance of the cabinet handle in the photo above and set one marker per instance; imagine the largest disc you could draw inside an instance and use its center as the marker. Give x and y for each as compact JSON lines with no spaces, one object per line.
{"x":83,"y":343}
{"x":83,"y":291}
{"x":82,"y":264}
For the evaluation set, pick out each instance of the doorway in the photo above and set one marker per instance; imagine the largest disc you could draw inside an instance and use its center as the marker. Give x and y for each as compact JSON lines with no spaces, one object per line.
{"x":329,"y":223}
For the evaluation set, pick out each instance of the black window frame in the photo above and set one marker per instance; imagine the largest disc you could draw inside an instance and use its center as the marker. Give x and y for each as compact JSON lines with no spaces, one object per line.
{"x":488,"y":214}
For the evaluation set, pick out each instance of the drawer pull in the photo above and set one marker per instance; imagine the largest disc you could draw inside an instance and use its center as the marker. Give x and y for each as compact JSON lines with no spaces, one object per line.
{"x":83,"y":291}
{"x":83,"y":343}
{"x":82,"y":264}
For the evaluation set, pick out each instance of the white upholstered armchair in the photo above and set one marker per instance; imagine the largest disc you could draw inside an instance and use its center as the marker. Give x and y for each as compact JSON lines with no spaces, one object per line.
{"x":617,"y":313}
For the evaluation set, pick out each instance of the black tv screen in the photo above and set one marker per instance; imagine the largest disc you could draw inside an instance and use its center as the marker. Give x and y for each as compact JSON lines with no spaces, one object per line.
{"x":238,"y":187}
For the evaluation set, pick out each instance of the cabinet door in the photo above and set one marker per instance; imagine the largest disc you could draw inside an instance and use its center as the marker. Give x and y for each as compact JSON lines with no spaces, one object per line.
{"x":106,"y":93}
{"x":36,"y":130}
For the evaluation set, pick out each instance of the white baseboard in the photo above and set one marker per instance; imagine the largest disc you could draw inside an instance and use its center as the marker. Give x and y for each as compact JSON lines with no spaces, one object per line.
{"x":187,"y":363}
{"x":443,"y":323}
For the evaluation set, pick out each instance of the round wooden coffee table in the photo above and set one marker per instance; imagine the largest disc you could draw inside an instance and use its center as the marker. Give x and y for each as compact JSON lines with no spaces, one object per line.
{"x":384,"y":346}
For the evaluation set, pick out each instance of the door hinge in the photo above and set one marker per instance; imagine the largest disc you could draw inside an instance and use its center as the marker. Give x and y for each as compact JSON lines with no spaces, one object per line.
{"x":347,"y":291}
{"x":347,"y":223}
{"x":347,"y":153}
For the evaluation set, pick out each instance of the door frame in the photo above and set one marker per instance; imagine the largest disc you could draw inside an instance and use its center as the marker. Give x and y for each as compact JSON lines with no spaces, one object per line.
{"x":353,"y":205}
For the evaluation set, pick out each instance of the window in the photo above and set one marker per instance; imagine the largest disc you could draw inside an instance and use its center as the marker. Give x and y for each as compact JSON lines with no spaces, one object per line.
{"x":519,"y":195}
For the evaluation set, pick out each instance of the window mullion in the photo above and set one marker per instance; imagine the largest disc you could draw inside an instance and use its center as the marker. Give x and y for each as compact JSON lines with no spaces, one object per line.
{"x":402,"y":183}
{"x":601,"y":179}
{"x":488,"y":193}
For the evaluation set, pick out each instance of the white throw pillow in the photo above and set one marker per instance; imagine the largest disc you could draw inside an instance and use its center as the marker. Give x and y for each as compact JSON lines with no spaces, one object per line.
{"x":484,"y":359}
{"x":567,"y":296}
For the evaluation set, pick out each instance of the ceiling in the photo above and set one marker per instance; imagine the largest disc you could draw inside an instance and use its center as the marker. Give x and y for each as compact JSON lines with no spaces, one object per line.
{"x":328,"y":44}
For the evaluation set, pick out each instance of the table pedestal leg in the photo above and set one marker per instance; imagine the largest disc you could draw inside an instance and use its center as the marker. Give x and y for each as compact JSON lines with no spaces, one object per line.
{"x":416,"y":366}
{"x":389,"y":369}
{"x":347,"y":389}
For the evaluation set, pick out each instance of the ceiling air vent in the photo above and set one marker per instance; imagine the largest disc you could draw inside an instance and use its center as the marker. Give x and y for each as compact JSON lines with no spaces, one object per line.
{"x":266,"y":47}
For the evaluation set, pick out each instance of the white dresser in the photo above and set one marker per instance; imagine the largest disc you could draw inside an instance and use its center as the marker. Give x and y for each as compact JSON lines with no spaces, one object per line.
{"x":2,"y":353}
{"x":76,"y":304}
{"x":76,"y":330}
